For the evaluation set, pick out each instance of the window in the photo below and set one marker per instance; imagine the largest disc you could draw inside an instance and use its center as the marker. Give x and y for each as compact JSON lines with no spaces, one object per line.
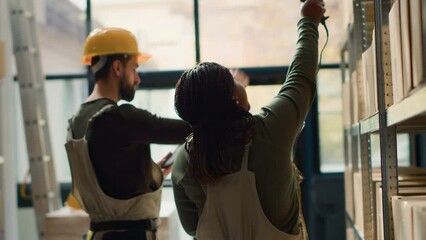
{"x":248,"y":33}
{"x":61,"y":36}
{"x":63,"y":97}
{"x":163,"y":28}
{"x":330,"y":121}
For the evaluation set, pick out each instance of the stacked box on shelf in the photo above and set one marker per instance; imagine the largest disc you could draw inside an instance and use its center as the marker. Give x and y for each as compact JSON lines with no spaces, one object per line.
{"x":396,"y":52}
{"x":417,"y":43}
{"x":411,"y":181}
{"x":66,"y":223}
{"x":408,"y":177}
{"x":346,"y":105}
{"x":419,"y":222}
{"x":361,"y":91}
{"x":373,"y":85}
{"x":354,"y":97}
{"x":404,"y":8}
{"x":349,"y":192}
{"x":403,"y":191}
{"x":403,"y":214}
{"x":358,"y":197}
{"x":70,"y":224}
{"x":369,"y":80}
{"x":405,"y":22}
{"x":358,"y":202}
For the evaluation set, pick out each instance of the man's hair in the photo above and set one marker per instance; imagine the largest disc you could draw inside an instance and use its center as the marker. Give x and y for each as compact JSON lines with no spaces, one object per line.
{"x":203,"y":98}
{"x":103,"y":72}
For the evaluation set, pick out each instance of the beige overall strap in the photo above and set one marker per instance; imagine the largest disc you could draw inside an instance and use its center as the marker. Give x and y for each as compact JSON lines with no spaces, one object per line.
{"x":69,"y":130}
{"x":244,"y":163}
{"x":102,"y":110}
{"x":298,"y":177}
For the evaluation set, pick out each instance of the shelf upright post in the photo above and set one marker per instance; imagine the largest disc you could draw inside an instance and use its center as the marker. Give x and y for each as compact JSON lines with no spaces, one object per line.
{"x":367,"y":186}
{"x":388,"y":157}
{"x":356,"y":54}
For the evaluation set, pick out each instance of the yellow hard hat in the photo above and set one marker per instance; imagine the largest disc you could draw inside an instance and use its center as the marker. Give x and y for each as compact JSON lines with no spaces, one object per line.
{"x":108,"y":41}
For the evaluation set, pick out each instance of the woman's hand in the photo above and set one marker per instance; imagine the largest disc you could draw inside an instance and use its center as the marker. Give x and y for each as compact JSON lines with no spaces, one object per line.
{"x":313,"y":9}
{"x":240,"y":77}
{"x":166,"y":171}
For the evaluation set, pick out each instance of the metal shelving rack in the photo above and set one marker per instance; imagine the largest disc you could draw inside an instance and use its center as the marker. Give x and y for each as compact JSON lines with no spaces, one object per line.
{"x":357,"y":136}
{"x":409,"y":114}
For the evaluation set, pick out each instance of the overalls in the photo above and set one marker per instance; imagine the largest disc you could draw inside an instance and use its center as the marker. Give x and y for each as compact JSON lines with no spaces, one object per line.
{"x":110,"y":216}
{"x":232,"y":210}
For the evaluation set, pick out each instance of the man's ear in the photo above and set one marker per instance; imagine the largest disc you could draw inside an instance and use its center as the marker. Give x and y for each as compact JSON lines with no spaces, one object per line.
{"x":117,"y":68}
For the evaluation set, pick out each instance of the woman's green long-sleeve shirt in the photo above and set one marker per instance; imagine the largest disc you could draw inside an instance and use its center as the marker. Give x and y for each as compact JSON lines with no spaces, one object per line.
{"x":271,"y":149}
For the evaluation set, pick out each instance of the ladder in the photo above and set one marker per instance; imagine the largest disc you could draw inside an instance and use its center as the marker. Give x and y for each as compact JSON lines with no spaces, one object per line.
{"x":44,"y":188}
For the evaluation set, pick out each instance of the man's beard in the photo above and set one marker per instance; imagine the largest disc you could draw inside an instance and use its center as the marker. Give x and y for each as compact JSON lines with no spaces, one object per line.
{"x":127,"y":91}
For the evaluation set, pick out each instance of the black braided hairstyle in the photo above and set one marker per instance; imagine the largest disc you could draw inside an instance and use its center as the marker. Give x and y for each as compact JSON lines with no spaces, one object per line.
{"x":203,"y":98}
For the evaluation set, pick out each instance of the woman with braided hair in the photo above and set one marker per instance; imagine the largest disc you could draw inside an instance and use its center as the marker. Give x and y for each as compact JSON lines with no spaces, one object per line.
{"x":235,"y":178}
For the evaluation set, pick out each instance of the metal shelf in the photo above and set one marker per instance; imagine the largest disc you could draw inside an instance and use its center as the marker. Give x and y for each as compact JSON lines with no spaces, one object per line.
{"x":355,"y":129}
{"x":358,"y":148}
{"x":409,"y":112}
{"x":370,"y":124}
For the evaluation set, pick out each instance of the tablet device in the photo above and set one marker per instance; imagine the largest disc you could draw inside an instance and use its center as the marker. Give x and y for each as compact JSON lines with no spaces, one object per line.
{"x":170,"y":157}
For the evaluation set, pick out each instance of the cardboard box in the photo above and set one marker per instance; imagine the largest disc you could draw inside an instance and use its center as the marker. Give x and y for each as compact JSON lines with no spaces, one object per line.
{"x":417,"y":41}
{"x":346,"y":105}
{"x":66,"y":223}
{"x":404,"y":216}
{"x":407,"y":177}
{"x":70,"y":224}
{"x":419,"y":222}
{"x":349,"y":192}
{"x":375,"y":107}
{"x":358,"y":202}
{"x":362,"y":103}
{"x":403,"y":191}
{"x":369,"y":78}
{"x":354,"y":97}
{"x":406,"y":45}
{"x":396,"y":53}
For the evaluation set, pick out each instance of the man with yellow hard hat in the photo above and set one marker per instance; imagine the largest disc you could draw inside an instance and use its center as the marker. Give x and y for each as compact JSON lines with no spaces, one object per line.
{"x":113,"y":176}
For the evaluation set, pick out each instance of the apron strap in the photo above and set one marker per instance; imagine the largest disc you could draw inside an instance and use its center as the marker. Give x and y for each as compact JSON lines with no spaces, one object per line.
{"x":244,"y":162}
{"x":69,"y":129}
{"x":70,"y":121}
{"x":102,"y":110}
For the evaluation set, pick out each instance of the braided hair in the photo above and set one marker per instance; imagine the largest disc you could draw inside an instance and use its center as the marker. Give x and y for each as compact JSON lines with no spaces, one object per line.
{"x":204,"y":99}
